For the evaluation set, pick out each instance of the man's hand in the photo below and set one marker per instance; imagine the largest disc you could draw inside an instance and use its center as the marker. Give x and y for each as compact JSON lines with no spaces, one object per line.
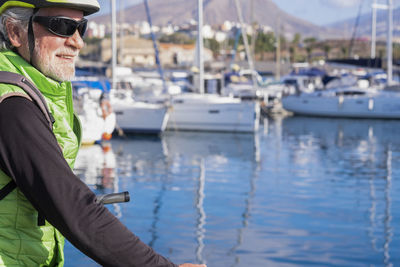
{"x":192,"y":265}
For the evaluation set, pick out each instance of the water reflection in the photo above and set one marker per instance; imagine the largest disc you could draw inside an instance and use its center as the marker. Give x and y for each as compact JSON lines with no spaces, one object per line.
{"x":202,"y":145}
{"x":142,"y":159}
{"x":340,"y":130}
{"x":201,"y":219}
{"x":301,"y":187}
{"x":96,"y":166}
{"x":363,"y":150}
{"x":388,"y":216}
{"x":358,"y":146}
{"x":246,"y":214}
{"x":213,"y":153}
{"x":139,"y":155}
{"x":182,"y":161}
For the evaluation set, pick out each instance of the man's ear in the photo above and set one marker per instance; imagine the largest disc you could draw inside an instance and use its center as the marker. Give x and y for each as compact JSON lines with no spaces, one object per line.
{"x":15,"y":34}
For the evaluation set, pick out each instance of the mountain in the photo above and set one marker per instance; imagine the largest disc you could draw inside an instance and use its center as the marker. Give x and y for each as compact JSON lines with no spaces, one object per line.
{"x":266,"y":13}
{"x":364,"y":28}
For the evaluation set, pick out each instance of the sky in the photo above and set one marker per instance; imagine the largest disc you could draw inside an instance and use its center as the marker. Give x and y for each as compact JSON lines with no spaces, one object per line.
{"x":319,"y":12}
{"x":324,"y":12}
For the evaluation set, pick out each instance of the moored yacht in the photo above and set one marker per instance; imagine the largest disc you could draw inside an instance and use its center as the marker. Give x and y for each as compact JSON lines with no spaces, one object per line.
{"x":138,"y":117}
{"x":209,"y":112}
{"x":350,"y":102}
{"x":95,"y":124}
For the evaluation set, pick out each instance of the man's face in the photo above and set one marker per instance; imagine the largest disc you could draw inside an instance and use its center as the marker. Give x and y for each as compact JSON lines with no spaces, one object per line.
{"x":55,"y":56}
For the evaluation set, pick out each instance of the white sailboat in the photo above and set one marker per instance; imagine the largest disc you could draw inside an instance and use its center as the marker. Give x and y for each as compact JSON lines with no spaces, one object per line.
{"x":96,"y":126}
{"x":138,"y":117}
{"x":352,"y":101}
{"x":208,"y":112}
{"x":133,"y":116}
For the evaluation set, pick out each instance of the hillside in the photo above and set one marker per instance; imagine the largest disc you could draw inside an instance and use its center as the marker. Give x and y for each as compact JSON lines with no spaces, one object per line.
{"x":217,"y":11}
{"x":365,"y":25}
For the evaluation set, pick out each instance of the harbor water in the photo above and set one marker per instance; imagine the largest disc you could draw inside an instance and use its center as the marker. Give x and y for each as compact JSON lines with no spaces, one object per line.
{"x":301,"y":192}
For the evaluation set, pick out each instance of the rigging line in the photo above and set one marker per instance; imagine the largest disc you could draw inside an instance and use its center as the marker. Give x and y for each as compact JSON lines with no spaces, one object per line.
{"x":156,"y":51}
{"x":355,"y":27}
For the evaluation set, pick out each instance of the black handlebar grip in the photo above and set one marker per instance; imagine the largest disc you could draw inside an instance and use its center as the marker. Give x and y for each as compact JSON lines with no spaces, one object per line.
{"x":113,"y":198}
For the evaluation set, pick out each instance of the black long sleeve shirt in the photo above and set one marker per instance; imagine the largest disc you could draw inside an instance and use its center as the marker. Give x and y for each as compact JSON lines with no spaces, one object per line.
{"x":31,"y":156}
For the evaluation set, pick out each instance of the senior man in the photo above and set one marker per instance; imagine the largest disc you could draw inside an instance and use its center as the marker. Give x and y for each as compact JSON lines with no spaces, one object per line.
{"x":41,"y":200}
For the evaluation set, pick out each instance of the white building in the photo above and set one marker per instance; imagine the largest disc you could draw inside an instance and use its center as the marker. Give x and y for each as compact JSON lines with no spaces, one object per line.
{"x":221,"y":36}
{"x":208,"y":32}
{"x":96,"y":30}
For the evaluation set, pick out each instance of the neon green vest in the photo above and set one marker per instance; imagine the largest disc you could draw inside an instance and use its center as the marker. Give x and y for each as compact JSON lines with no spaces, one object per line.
{"x":22,"y":241}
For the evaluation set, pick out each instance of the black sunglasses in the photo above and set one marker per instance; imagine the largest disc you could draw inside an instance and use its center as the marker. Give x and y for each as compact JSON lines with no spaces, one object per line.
{"x":62,"y":26}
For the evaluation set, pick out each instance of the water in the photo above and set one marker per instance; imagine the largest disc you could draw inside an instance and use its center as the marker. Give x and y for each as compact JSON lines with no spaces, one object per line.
{"x":303,"y":191}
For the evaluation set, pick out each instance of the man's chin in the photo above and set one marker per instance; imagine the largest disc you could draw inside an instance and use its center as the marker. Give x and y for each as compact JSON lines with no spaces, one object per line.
{"x":61,"y":75}
{"x":56,"y":70}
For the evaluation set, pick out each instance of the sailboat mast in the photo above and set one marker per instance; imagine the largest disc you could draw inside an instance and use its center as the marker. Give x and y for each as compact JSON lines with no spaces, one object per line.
{"x":200,"y":45}
{"x":278,"y":50}
{"x":389,"y":43}
{"x":121,"y":31}
{"x":253,"y":27}
{"x":246,"y":43}
{"x":114,"y":42}
{"x":373,"y":33}
{"x":389,"y":37}
{"x":156,"y":52}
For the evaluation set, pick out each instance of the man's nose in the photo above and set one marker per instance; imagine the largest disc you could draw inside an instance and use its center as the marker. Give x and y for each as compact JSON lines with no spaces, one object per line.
{"x":75,"y":40}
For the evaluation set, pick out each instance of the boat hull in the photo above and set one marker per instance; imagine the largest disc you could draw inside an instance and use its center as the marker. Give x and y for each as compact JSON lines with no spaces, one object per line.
{"x":373,"y":106}
{"x":141,"y":117}
{"x":94,"y":126}
{"x":199,"y":113}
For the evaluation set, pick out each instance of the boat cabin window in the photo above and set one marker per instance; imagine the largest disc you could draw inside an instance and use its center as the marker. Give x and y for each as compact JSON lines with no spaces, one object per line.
{"x":124,"y":85}
{"x":290,"y":82}
{"x":350,"y":93}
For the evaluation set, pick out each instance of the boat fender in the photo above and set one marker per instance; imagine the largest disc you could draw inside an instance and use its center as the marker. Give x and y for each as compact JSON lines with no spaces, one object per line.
{"x":370,"y":104}
{"x":341,"y":100}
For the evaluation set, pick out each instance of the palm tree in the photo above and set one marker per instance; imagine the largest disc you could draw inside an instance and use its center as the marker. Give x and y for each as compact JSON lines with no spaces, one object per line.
{"x":309,"y":42}
{"x":293,"y":48}
{"x":327,"y":49}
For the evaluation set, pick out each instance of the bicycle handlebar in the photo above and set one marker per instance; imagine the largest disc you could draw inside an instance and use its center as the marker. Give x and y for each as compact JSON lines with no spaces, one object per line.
{"x":113,"y":198}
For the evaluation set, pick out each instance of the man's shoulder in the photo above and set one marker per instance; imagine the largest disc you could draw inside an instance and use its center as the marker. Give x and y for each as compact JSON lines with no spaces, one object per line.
{"x":8,"y":60}
{"x":14,"y":107}
{"x":9,"y":89}
{"x":19,"y":110}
